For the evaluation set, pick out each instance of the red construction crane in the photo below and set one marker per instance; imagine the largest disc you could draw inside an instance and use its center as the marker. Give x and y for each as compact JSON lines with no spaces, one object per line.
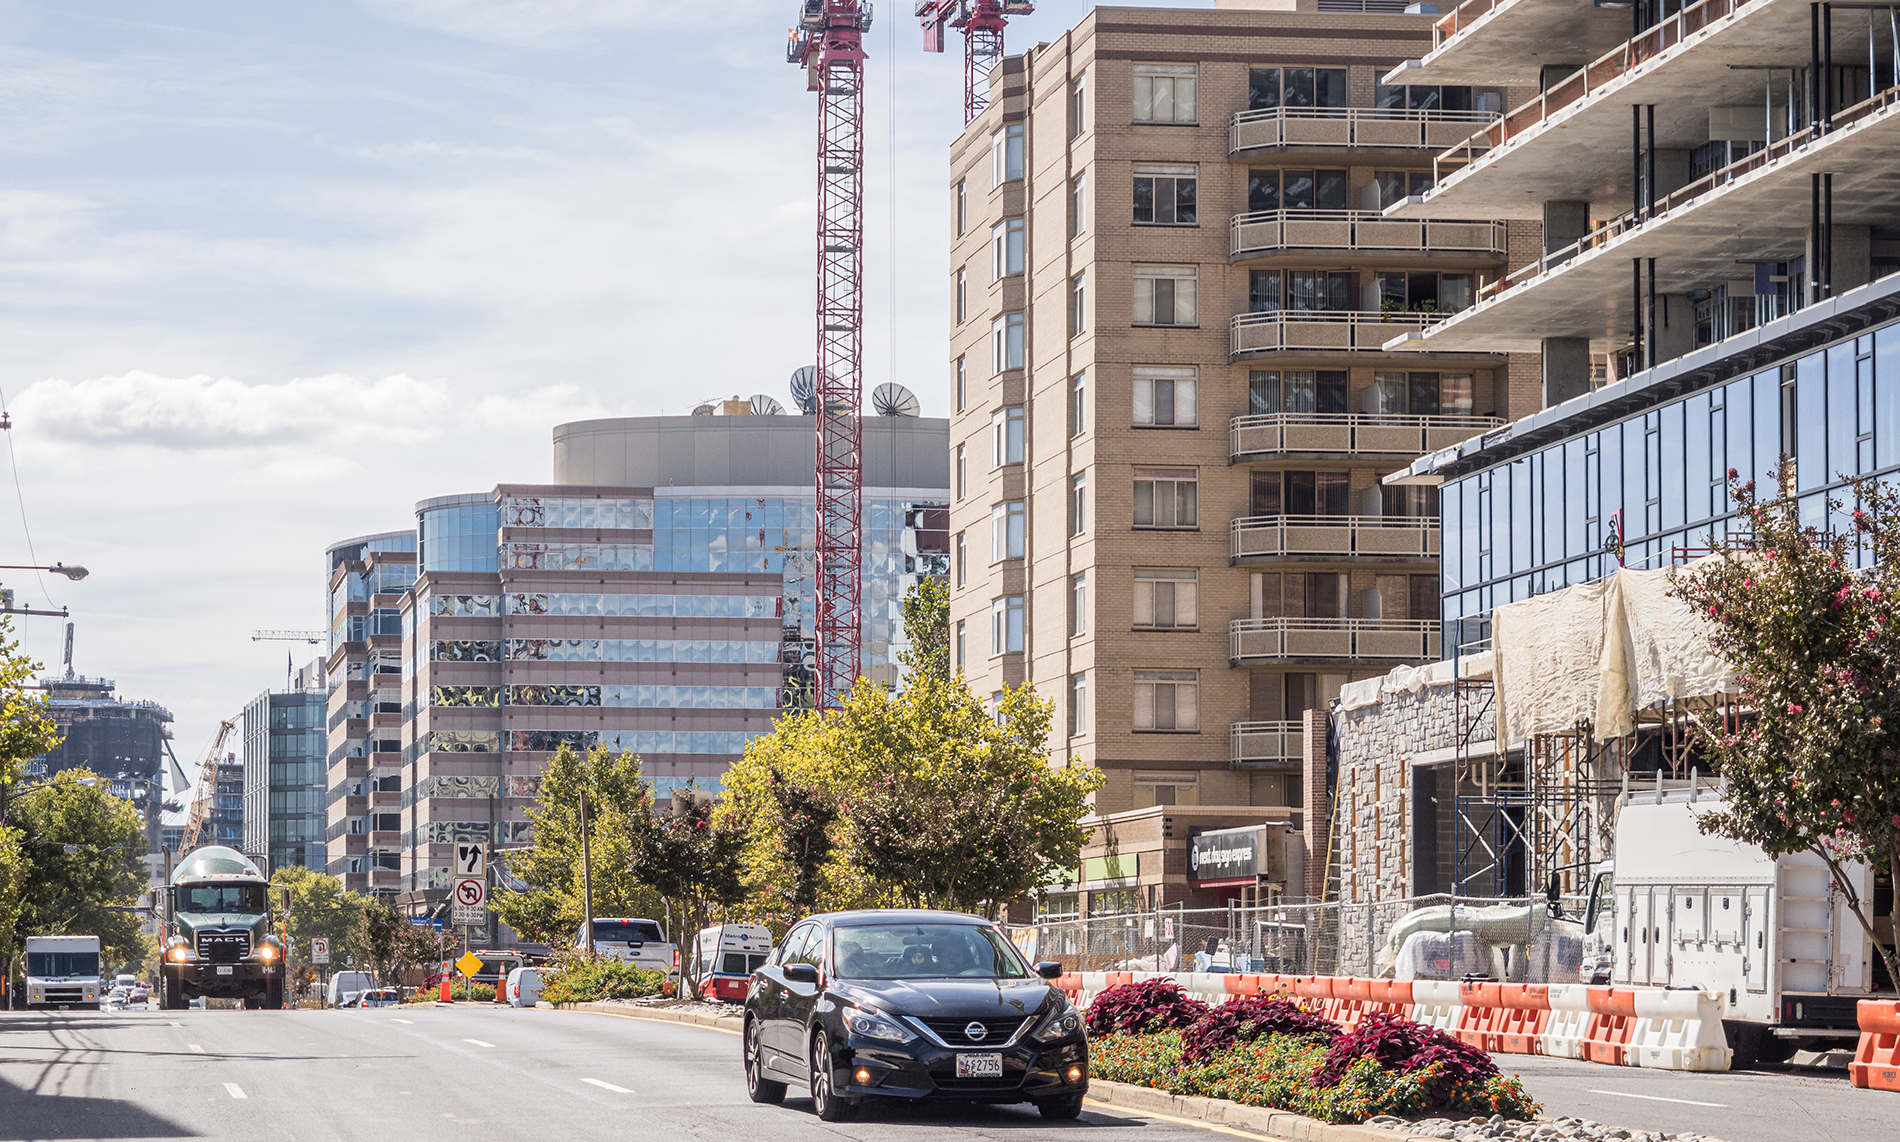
{"x":829,"y":44}
{"x":982,"y":24}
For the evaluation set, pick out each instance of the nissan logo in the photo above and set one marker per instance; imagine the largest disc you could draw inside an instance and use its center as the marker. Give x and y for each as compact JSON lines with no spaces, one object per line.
{"x":976,"y":1032}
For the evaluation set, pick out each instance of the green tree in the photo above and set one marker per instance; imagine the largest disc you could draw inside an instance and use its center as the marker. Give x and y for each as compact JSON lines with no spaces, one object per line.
{"x":804,"y":817}
{"x":1816,"y":767}
{"x":320,"y":906}
{"x":550,"y":911}
{"x":85,"y":850}
{"x":694,"y":860}
{"x":926,"y":612}
{"x":25,"y":733}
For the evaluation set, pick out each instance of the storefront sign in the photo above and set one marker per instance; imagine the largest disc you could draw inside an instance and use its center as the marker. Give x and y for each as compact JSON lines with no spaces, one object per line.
{"x":1226,"y":855}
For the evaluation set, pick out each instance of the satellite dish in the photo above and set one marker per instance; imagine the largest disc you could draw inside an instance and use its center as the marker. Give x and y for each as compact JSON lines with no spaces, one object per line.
{"x":893,"y":399}
{"x":703,"y":410}
{"x":805,"y":389}
{"x":763,"y":405}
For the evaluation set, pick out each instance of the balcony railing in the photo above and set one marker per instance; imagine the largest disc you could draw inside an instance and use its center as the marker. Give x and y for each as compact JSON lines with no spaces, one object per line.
{"x":1389,"y":128}
{"x":1614,"y":64}
{"x":1252,"y":437}
{"x":1274,"y":231}
{"x":1268,"y":742}
{"x":1269,"y":640}
{"x":1460,"y":18}
{"x":1341,"y":536}
{"x":1323,"y":331}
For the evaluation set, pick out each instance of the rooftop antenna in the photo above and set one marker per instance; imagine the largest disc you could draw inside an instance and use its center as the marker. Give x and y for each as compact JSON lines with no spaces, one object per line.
{"x":69,"y":652}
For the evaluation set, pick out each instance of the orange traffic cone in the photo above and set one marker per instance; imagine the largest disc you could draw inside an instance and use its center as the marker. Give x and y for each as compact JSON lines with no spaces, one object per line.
{"x":446,"y":997}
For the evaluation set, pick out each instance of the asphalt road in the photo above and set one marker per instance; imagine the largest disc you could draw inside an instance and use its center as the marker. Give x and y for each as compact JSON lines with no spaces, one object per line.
{"x":478,"y":1072}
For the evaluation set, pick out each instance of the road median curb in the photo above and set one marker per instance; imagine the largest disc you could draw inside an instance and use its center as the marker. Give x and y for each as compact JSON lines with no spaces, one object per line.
{"x":1259,"y":1119}
{"x":732,"y":1023}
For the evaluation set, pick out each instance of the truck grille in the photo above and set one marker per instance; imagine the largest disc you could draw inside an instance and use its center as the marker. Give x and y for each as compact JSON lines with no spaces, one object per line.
{"x":63,"y":994}
{"x":224,"y":945}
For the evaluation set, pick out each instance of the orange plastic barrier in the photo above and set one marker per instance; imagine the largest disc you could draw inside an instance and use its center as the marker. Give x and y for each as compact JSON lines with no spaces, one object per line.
{"x":1118,"y":978}
{"x":1316,"y":994}
{"x":1482,"y":1022}
{"x":1612,"y":1022}
{"x":1876,"y":1062}
{"x":1071,"y":985}
{"x":1526,"y":1015}
{"x":1243,"y":984}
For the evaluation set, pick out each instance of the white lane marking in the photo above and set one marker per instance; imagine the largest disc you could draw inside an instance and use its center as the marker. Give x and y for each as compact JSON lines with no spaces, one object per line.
{"x":608,"y":1086}
{"x":478,"y":1042}
{"x":1659,"y":1098}
{"x":405,"y":1021}
{"x":196,"y":1048}
{"x":236,"y":1090}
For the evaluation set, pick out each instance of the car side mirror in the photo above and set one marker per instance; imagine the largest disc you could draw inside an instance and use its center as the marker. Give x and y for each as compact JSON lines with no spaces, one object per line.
{"x":801,"y":973}
{"x":1049,"y":969}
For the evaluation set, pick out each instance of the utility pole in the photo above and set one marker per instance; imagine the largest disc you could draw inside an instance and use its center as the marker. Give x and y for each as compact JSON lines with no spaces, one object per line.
{"x":587,"y":882}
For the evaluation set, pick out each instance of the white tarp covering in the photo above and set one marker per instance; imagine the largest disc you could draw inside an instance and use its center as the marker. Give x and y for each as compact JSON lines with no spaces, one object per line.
{"x":1599,"y":651}
{"x":1412,"y":679}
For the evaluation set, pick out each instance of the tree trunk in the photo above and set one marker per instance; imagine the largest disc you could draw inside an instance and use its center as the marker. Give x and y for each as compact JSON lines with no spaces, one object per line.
{"x":1861,"y":908}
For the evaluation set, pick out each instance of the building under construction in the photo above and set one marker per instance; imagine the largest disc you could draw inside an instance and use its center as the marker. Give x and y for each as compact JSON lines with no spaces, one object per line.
{"x":120,"y":739}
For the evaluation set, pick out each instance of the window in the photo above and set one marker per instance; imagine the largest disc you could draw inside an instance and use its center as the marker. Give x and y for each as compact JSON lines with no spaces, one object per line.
{"x":1167,"y":599}
{"x":963,"y":470}
{"x":1271,"y":391}
{"x":1006,"y":625}
{"x":1408,"y":501}
{"x":1420,"y":394}
{"x":1165,"y":295}
{"x":1006,"y":437}
{"x":1078,"y":405}
{"x":1078,"y":304}
{"x":1395,"y":185}
{"x":1164,"y":93}
{"x":1308,"y":595}
{"x":1406,"y":596}
{"x":962,"y":385}
{"x":1078,"y":105}
{"x":1168,"y":701}
{"x":963,"y":294}
{"x":1006,"y":342}
{"x":1078,"y":503}
{"x":1421,"y":97}
{"x":1301,"y":493}
{"x":1006,"y":531}
{"x":1079,"y":603}
{"x":1166,"y":497}
{"x":1324,"y":290}
{"x":963,"y":207}
{"x":1078,"y":703}
{"x":1078,"y":204}
{"x":1165,"y":397}
{"x":1296,"y":190}
{"x":1263,"y":291}
{"x":963,"y":559}
{"x":1295,"y":87}
{"x":961,"y":626}
{"x":1006,"y":154}
{"x":1164,"y":196}
{"x":1006,"y":248}
{"x":1153,"y":789}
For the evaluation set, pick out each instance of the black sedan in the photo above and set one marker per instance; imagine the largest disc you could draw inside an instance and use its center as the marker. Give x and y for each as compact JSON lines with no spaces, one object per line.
{"x":911,"y":1005}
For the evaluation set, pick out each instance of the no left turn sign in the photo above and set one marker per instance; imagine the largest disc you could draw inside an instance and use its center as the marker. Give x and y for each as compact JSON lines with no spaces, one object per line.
{"x":470,"y":893}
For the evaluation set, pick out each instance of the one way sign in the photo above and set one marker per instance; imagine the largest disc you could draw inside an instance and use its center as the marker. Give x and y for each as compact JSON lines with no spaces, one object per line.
{"x":471,"y":860}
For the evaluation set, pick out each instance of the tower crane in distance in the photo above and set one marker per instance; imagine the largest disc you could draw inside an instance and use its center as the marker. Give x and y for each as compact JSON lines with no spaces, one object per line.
{"x":206,"y":790}
{"x":828,"y":42}
{"x":981,"y":22}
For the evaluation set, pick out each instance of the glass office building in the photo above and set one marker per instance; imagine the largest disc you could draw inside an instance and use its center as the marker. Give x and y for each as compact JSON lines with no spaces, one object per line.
{"x":285,"y":786}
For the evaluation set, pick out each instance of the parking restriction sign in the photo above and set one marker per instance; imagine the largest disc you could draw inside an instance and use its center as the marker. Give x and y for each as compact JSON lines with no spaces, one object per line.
{"x":319,"y":950}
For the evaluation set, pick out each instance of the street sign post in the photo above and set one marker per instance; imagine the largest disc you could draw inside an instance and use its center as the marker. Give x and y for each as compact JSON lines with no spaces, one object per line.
{"x":469,"y":964}
{"x":469,"y":897}
{"x":319,"y":950}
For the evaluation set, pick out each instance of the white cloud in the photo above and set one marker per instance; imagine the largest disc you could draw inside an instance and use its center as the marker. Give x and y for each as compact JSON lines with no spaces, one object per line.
{"x":546,"y":23}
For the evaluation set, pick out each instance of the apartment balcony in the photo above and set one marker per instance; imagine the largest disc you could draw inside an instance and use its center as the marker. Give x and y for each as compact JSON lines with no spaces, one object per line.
{"x":1321,"y":331}
{"x":1507,"y":41}
{"x":1266,"y":743}
{"x":1266,"y":233}
{"x":1355,"y":538}
{"x":1269,"y":129}
{"x":1320,"y":434}
{"x":1255,"y":642}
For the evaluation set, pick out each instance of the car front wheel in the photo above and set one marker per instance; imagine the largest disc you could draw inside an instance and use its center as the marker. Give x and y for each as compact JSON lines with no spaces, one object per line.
{"x":1068,"y":1106}
{"x":824,"y":1100}
{"x":760,"y":1088}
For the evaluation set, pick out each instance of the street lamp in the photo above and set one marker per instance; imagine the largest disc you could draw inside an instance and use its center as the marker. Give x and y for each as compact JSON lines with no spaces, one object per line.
{"x":73,"y":573}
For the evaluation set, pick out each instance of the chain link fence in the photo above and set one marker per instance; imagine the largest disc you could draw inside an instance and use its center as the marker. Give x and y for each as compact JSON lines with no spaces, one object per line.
{"x":1312,"y":939}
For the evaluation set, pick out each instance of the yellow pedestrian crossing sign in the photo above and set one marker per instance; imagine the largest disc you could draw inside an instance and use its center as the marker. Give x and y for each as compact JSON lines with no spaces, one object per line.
{"x":469,"y":964}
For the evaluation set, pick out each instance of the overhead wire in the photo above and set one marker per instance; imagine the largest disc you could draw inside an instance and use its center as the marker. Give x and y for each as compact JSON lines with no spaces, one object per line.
{"x":19,"y":492}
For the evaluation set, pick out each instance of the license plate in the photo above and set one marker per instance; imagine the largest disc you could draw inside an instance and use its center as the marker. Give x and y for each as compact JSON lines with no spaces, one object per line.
{"x":980,"y":1066}
{"x":226,"y":970}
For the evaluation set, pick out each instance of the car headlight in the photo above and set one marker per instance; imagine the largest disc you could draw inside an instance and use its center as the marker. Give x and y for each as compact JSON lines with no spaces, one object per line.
{"x":871,"y":1025}
{"x":1064,"y":1024}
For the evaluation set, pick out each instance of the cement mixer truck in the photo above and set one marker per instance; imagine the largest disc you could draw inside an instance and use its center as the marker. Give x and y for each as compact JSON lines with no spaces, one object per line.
{"x":217,"y":938}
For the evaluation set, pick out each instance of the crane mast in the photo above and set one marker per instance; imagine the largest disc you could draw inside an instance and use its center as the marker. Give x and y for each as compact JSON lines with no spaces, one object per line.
{"x":981,"y":22}
{"x":829,"y":43}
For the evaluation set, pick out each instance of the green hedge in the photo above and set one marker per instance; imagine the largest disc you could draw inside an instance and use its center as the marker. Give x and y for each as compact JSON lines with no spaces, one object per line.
{"x":607,"y":979}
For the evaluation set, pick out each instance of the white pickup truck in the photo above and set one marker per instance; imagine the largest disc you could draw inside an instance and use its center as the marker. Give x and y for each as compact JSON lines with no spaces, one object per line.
{"x":1773,"y":937}
{"x":638,"y":941}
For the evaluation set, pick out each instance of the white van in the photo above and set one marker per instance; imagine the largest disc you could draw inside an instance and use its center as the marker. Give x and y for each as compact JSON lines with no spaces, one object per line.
{"x":724,"y":958}
{"x":345,"y":986}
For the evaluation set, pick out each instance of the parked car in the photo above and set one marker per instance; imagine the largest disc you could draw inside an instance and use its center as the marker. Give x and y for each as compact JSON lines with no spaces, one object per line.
{"x":911,"y":1004}
{"x":638,"y":941}
{"x":724,"y":958}
{"x":345,"y":986}
{"x":523,"y":987}
{"x":380,"y":997}
{"x":114,"y":1000}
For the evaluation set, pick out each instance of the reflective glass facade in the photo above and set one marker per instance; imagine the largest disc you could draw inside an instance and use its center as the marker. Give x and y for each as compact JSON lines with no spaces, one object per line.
{"x":1655,"y":482}
{"x":457,"y":533}
{"x":284,"y":779}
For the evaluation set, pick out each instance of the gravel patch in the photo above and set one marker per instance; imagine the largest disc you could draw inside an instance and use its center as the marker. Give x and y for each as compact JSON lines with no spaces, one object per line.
{"x":694,"y":1006}
{"x":1477,"y":1129}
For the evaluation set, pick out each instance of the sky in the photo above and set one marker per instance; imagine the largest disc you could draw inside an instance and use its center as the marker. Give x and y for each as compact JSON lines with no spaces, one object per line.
{"x":270,"y":273}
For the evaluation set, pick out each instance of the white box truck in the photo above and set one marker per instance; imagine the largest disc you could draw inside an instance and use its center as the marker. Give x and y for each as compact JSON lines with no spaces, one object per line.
{"x":1773,"y":937}
{"x":62,"y":971}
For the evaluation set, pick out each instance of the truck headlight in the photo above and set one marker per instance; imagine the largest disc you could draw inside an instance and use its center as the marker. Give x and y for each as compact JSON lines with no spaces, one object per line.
{"x":177,"y":953}
{"x":267,"y":953}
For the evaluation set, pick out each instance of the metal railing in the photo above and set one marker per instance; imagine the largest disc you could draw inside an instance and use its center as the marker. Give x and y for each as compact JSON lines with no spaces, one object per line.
{"x":1323,"y":330}
{"x":1265,"y":640}
{"x":1342,"y":536}
{"x":1271,"y":127}
{"x":1266,"y":231}
{"x":1462,"y":17}
{"x":1266,"y":741}
{"x":1348,"y":433}
{"x":1613,"y":65}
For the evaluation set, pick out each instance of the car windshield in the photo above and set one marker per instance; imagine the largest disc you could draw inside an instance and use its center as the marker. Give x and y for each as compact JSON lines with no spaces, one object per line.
{"x":221,"y":898}
{"x":925,"y":951}
{"x":628,"y":931}
{"x":62,"y":963}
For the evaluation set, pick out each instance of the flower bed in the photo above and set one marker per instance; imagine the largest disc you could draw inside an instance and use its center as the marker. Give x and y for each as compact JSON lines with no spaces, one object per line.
{"x":607,"y":979}
{"x":1267,"y":1051}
